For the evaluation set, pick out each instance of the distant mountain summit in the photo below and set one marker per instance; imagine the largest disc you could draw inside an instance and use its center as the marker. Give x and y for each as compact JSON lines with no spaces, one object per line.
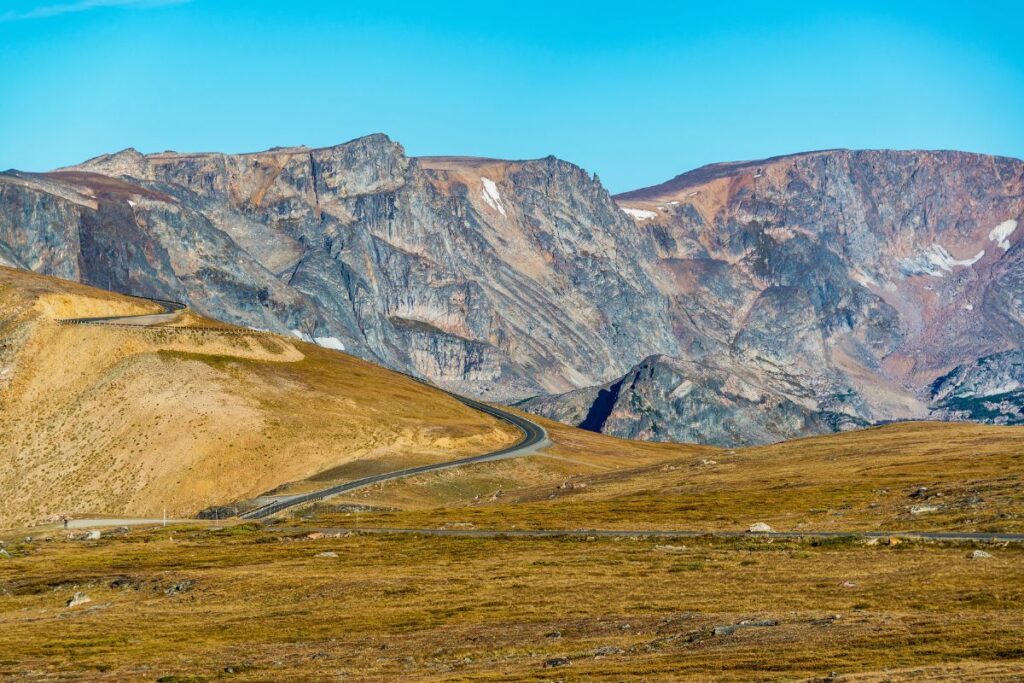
{"x":738,"y":303}
{"x":844,"y":282}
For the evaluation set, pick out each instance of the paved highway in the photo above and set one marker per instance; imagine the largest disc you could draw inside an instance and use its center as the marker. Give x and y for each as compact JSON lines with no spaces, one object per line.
{"x":956,"y":536}
{"x":171,"y":309}
{"x":534,"y":438}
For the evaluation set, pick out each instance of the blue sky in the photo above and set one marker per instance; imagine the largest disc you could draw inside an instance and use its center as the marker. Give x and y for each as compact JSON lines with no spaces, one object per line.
{"x":636,"y":92}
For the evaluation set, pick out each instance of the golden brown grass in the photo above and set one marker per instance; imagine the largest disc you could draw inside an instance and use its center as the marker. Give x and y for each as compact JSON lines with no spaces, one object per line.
{"x":865,"y":480}
{"x":124,"y":421}
{"x":265,"y":606}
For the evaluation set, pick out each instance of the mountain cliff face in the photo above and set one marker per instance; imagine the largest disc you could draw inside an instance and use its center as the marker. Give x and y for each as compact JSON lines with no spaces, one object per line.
{"x":671,"y":399}
{"x":502,"y":279}
{"x":844,"y":282}
{"x":738,"y":303}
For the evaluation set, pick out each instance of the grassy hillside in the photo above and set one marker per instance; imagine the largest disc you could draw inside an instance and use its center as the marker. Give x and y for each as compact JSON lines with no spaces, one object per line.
{"x":125,"y":421}
{"x":910,"y":476}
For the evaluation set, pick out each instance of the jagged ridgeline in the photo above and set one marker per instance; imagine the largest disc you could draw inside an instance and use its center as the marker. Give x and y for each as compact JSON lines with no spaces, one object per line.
{"x":739,"y":303}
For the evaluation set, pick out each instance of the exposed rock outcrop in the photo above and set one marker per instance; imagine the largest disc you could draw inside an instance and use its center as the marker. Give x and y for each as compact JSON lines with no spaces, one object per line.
{"x":781,"y":297}
{"x":503,"y":279}
{"x":843,"y":283}
{"x":668,"y":399}
{"x":989,"y":389}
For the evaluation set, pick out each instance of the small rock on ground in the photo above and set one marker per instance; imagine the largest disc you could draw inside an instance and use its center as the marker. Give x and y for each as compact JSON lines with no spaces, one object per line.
{"x":980,"y":555}
{"x":875,"y":540}
{"x":181,"y":587}
{"x":78,"y":598}
{"x":759,"y":528}
{"x":729,"y":629}
{"x":327,"y":553}
{"x":125,"y":582}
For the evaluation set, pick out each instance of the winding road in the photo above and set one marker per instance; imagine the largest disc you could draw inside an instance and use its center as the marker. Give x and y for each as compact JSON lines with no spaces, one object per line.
{"x":534,"y":436}
{"x":171,"y":309}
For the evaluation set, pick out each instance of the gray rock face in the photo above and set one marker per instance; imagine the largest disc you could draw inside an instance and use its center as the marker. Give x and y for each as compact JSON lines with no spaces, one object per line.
{"x":834,"y":286}
{"x":770,"y":299}
{"x":502,"y":279}
{"x":668,"y":399}
{"x":989,"y":389}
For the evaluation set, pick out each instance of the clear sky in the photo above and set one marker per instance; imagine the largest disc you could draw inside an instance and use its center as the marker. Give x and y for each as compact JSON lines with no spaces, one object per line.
{"x":634,"y":91}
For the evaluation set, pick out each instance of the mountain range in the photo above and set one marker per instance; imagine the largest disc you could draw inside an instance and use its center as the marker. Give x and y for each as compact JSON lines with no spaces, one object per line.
{"x":738,"y":303}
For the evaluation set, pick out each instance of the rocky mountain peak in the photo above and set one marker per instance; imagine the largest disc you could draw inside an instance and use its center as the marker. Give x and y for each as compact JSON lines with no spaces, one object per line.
{"x":127,"y":162}
{"x":737,"y":303}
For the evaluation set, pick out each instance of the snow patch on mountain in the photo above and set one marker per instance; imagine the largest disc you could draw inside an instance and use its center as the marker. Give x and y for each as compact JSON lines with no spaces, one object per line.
{"x":640,"y":214}
{"x":491,"y":196}
{"x":1001,"y":233}
{"x":935,"y":261}
{"x":330,"y":343}
{"x":326,"y":342}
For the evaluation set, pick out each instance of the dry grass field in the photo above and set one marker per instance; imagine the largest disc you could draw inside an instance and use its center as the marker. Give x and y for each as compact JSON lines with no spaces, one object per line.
{"x":125,"y":421}
{"x":246,"y":603}
{"x":287,"y":601}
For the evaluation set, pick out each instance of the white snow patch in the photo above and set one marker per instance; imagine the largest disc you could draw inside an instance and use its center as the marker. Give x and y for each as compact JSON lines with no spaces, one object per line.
{"x":330,"y":343}
{"x":673,"y":203}
{"x":968,"y":307}
{"x":131,"y":203}
{"x":935,"y":261}
{"x":303,"y":336}
{"x":1002,"y":232}
{"x":491,"y":196}
{"x":640,"y":214}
